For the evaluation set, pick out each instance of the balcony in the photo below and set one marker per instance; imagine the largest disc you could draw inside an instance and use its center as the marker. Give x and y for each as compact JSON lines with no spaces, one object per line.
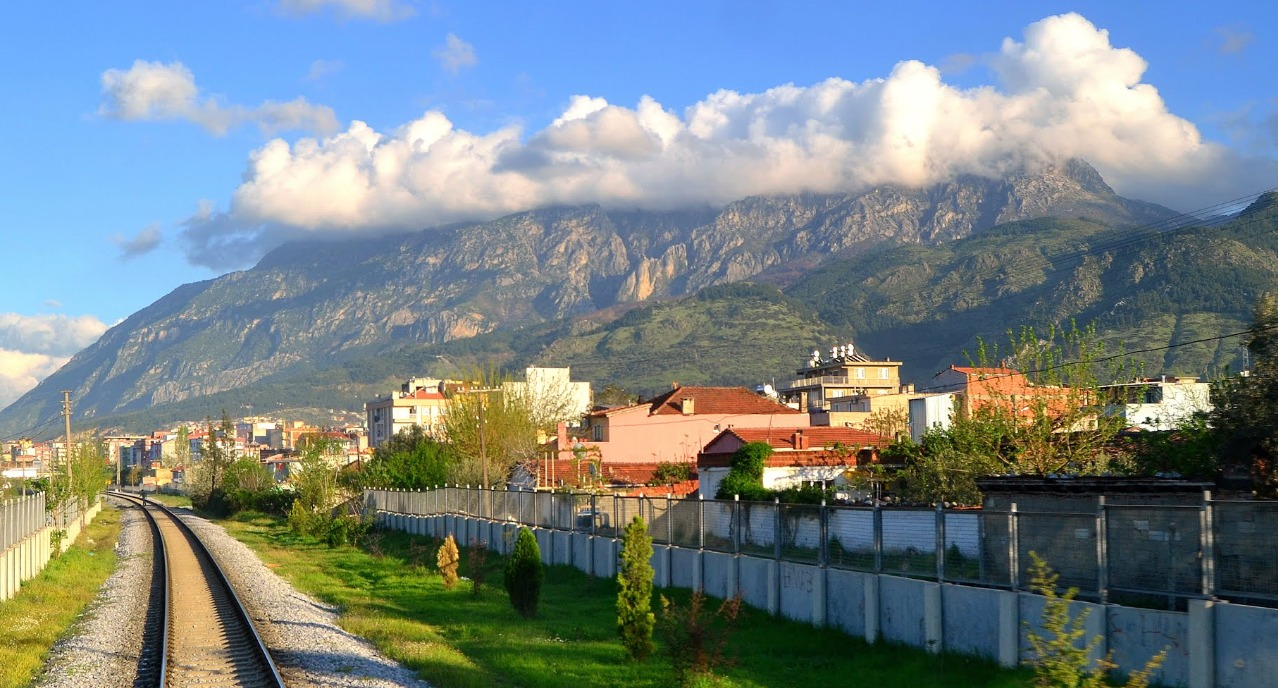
{"x":810,"y":382}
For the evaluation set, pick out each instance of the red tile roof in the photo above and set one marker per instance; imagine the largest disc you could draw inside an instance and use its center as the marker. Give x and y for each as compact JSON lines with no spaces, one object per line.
{"x":818,"y":437}
{"x":423,"y":394}
{"x":716,"y":400}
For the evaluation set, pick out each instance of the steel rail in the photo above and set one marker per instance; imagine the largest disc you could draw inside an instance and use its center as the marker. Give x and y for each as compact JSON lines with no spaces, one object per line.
{"x":217,"y":580}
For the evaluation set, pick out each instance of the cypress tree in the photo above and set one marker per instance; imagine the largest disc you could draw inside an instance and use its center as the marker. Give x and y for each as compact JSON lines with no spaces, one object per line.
{"x":446,"y":559}
{"x":635,"y":619}
{"x":524,"y":574}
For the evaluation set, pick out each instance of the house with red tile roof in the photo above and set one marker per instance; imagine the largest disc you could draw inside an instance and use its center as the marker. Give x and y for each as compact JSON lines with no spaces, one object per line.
{"x":676,"y":425}
{"x":815,"y":454}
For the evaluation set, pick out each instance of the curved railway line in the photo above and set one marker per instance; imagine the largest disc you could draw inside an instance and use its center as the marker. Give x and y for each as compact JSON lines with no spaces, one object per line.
{"x":197,"y":631}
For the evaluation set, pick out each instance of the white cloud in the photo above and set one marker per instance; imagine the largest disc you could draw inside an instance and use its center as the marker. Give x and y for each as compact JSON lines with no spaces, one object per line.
{"x":455,"y":54}
{"x":1062,"y":91}
{"x":142,"y":243}
{"x":150,"y":91}
{"x":320,"y":69}
{"x":1233,"y":40}
{"x":380,"y":10}
{"x":33,"y":347}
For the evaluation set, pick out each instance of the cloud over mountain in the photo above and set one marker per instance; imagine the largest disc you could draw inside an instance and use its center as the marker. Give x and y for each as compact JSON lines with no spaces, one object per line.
{"x":33,"y":347}
{"x":1062,"y":91}
{"x":158,"y":91}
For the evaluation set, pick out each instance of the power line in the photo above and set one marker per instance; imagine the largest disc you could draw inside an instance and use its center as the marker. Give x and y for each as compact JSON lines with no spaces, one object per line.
{"x":1058,"y":366}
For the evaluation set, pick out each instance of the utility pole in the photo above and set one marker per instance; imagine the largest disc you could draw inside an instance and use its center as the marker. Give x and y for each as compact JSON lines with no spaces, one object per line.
{"x":483,"y":445}
{"x":66,"y":415}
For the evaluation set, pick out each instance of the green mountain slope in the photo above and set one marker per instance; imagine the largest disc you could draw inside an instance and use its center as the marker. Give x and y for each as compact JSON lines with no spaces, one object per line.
{"x":924,"y":305}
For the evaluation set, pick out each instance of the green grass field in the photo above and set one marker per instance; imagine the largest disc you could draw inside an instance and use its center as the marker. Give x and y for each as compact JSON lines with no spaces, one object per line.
{"x":388,"y":594}
{"x":47,"y":606}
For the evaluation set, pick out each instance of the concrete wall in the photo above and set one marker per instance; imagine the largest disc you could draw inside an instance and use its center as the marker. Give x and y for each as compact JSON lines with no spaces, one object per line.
{"x":27,"y":557}
{"x":1136,"y":635}
{"x":1214,"y":644}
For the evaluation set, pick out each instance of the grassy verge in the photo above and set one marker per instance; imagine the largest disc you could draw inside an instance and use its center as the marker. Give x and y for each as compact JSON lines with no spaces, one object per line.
{"x":170,"y":500}
{"x":455,"y":640}
{"x":47,"y":605}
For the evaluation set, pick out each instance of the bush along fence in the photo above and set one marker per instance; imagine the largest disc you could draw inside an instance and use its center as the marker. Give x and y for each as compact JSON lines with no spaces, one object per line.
{"x":939,"y":579}
{"x":31,"y":535}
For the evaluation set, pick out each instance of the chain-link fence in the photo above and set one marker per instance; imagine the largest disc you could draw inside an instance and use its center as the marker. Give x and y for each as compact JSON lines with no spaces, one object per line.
{"x":1153,"y":555}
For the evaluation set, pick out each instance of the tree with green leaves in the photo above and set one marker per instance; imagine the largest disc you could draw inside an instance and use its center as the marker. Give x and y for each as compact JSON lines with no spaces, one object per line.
{"x":745,"y":476}
{"x":1245,"y":408}
{"x":1034,"y":409}
{"x":490,"y":429}
{"x":411,"y":460}
{"x":635,"y":619}
{"x":524,"y":574}
{"x":182,"y":447}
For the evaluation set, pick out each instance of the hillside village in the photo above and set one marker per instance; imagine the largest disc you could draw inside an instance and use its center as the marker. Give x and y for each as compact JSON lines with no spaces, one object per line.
{"x":826,"y":422}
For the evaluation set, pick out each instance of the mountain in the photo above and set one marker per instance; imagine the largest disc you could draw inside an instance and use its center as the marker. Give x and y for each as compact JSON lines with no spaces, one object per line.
{"x":308,"y":306}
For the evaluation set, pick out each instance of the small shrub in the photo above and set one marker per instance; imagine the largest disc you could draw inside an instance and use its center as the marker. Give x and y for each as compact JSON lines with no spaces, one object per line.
{"x":446,"y":559}
{"x":301,"y":520}
{"x":1063,"y":653}
{"x":476,"y":565}
{"x":695,"y":641}
{"x":524,"y":574}
{"x":635,"y":619}
{"x":668,"y":472}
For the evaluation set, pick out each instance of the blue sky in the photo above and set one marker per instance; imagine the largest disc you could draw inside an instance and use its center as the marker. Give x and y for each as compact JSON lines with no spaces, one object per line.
{"x":150,"y":144}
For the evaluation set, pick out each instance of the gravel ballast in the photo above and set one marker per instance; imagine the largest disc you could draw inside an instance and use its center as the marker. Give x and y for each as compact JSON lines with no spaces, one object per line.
{"x":106,"y":642}
{"x":302,"y":634}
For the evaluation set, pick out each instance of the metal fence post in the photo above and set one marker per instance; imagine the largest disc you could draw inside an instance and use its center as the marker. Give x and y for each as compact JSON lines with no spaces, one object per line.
{"x":701,"y":521}
{"x":1013,"y":549}
{"x":1207,"y":544}
{"x":594,"y":512}
{"x":776,"y":527}
{"x":940,"y":542}
{"x":736,"y":520}
{"x":878,"y":537}
{"x":823,"y":553}
{"x":669,"y":522}
{"x":1102,"y":550}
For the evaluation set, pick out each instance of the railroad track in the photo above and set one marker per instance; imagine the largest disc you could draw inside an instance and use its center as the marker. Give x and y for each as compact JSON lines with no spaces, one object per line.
{"x":197,"y":632}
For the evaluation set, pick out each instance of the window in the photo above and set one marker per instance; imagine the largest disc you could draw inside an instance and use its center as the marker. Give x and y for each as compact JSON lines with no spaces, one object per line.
{"x":596,"y":432}
{"x":860,"y":373}
{"x":883,"y":373}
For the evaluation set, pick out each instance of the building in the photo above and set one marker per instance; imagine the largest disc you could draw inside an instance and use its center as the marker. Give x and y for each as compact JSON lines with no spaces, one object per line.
{"x":553,"y":394}
{"x":675,"y":426}
{"x":420,"y":401}
{"x":931,"y":412}
{"x":822,"y":455}
{"x":978,"y":387}
{"x":255,"y":430}
{"x":1159,"y":403}
{"x":845,"y":375}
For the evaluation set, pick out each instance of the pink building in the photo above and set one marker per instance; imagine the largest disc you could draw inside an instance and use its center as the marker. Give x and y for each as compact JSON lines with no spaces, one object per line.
{"x":676,"y":425}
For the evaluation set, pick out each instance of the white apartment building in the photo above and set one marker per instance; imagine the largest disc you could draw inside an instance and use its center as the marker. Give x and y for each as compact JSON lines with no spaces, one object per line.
{"x":1158,"y":403}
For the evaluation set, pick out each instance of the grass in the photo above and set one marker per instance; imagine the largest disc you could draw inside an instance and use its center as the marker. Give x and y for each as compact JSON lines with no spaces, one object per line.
{"x":455,"y":640}
{"x":173,"y":501}
{"x":47,"y":606}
